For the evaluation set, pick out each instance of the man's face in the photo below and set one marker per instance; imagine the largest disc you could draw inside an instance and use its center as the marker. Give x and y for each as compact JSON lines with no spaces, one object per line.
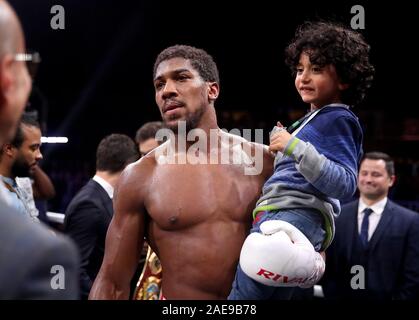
{"x":147,"y":145}
{"x":29,"y":153}
{"x":181,"y":93}
{"x":14,"y":94}
{"x":374,"y":180}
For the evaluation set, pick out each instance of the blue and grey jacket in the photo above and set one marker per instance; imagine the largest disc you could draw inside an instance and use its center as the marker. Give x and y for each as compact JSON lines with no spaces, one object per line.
{"x":318,"y":167}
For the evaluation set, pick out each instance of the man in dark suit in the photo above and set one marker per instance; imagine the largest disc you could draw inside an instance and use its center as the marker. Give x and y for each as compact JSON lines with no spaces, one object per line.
{"x":375,"y":253}
{"x":145,"y":137}
{"x":34,"y":262}
{"x":89,"y":213}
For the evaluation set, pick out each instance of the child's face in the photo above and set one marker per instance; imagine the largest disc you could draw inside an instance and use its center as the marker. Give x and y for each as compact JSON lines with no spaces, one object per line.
{"x":316,"y":85}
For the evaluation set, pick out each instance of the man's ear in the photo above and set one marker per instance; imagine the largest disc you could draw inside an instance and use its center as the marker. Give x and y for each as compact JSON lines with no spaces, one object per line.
{"x":8,"y":149}
{"x":213,"y":91}
{"x":6,"y":78}
{"x":392,"y":180}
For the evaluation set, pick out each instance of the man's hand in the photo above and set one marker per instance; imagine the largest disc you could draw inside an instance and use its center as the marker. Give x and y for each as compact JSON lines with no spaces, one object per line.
{"x":279,"y":139}
{"x":42,"y":186}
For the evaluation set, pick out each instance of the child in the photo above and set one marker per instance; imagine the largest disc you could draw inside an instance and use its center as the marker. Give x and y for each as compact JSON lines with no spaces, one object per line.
{"x":315,"y":166}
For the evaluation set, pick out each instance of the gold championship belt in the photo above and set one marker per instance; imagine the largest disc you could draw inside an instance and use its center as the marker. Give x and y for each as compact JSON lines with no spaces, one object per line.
{"x":149,"y":284}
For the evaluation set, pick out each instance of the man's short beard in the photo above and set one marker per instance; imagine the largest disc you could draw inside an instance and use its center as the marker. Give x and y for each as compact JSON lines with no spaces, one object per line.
{"x":192,"y":121}
{"x":20,"y":169}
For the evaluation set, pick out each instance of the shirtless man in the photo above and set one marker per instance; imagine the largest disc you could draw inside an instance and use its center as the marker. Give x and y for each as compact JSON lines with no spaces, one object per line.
{"x":194,"y":216}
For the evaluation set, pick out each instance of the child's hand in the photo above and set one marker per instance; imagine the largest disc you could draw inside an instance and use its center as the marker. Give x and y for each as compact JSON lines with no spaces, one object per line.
{"x":279,"y":140}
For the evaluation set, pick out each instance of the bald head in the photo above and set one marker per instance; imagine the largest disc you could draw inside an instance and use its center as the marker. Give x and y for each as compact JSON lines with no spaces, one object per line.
{"x":15,"y":83}
{"x":11,"y":34}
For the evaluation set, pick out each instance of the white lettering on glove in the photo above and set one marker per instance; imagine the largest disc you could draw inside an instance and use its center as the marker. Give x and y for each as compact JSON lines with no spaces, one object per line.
{"x":281,"y":256}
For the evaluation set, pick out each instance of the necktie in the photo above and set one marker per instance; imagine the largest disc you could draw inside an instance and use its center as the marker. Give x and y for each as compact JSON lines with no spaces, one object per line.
{"x":364,"y":226}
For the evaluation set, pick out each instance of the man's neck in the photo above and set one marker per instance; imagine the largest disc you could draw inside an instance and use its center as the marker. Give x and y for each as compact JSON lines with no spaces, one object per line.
{"x":206,"y":127}
{"x":203,"y":139}
{"x":370,"y":202}
{"x":111,"y":178}
{"x":208,"y":121}
{"x":6,"y":171}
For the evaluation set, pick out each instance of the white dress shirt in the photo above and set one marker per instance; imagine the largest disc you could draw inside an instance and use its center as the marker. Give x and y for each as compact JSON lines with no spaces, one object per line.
{"x":375,"y":216}
{"x":105,"y":185}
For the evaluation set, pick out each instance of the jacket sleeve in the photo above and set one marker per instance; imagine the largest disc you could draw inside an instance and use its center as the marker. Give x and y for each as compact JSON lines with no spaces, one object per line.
{"x":82,"y":226}
{"x":409,"y":286}
{"x":53,"y":271}
{"x":333,"y":171}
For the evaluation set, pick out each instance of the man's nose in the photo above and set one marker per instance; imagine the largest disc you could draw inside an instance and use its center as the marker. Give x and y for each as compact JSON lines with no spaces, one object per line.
{"x":169,"y":89}
{"x":38,"y":156}
{"x":368,"y":178}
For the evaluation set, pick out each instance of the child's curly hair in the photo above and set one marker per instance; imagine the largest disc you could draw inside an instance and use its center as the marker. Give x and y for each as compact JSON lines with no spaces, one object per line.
{"x":330,"y":43}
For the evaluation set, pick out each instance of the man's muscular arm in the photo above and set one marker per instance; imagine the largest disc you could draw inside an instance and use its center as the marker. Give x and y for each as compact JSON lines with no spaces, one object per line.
{"x":124,"y":239}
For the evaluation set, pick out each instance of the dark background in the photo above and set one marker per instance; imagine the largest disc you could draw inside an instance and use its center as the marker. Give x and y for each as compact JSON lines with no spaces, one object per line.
{"x":95,"y":77}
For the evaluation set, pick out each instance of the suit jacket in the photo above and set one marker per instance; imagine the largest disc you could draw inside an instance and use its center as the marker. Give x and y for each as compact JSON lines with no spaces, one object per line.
{"x":28,"y":253}
{"x":86,"y":221}
{"x":391,"y":258}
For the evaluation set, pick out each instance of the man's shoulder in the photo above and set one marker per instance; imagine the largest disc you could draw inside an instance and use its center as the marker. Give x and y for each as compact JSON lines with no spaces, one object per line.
{"x":258,"y":152}
{"x":11,"y":222}
{"x":401,"y":211}
{"x":143,"y":166}
{"x":90,"y":187}
{"x":135,"y":178}
{"x":349,"y":208}
{"x":248,"y":145}
{"x":87,"y":194}
{"x":260,"y":147}
{"x":29,"y":252}
{"x":23,"y":235}
{"x":268,"y":157}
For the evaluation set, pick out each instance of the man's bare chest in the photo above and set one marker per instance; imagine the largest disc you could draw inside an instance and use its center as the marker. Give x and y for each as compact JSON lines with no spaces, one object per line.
{"x":180,"y":196}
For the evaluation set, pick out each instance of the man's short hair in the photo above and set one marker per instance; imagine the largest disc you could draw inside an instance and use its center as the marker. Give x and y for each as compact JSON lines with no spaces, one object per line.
{"x":375,"y":155}
{"x":27,"y":119}
{"x":115,"y":152}
{"x":200,"y":60}
{"x":148,"y":131}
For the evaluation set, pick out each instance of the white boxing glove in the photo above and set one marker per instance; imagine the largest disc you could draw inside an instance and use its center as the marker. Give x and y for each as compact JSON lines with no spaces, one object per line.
{"x":281,"y":256}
